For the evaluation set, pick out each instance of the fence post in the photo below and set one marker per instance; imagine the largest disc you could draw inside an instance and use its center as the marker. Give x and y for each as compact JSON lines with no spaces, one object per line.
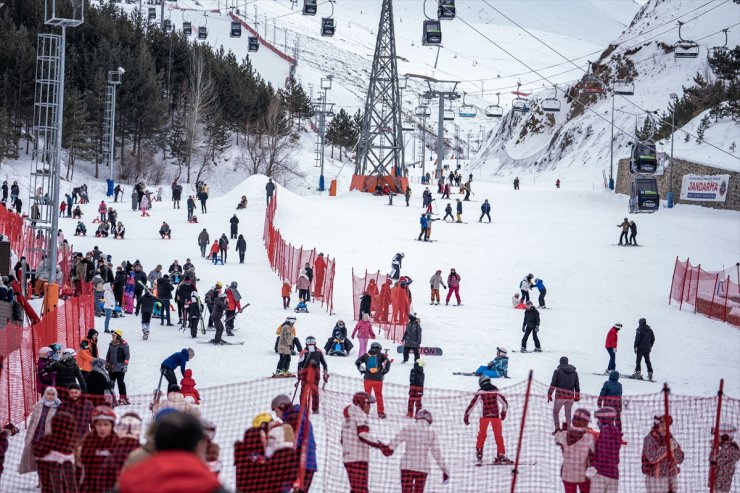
{"x":673,"y":280}
{"x":666,"y":415}
{"x":696,"y":293}
{"x":515,"y":471}
{"x":683,"y":283}
{"x":715,"y":441}
{"x":727,"y":296}
{"x":714,"y":292}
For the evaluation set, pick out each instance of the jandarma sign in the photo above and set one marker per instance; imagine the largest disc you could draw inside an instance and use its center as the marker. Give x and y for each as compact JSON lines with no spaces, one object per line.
{"x":704,"y":188}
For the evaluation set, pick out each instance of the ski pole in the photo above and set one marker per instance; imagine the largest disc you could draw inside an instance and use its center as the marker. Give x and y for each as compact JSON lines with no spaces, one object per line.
{"x":295,"y":392}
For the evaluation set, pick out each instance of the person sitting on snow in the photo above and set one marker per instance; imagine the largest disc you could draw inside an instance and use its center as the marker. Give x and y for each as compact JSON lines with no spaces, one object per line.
{"x":517,"y":302}
{"x":498,"y":368}
{"x":165,"y":231}
{"x":81,"y":229}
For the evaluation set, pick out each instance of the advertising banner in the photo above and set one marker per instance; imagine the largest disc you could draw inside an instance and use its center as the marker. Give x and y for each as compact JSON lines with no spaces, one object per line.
{"x":702,"y":188}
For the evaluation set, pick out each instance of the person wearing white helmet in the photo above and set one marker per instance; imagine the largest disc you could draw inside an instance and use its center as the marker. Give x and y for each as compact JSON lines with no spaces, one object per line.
{"x":310,"y":360}
{"x":420,"y":441}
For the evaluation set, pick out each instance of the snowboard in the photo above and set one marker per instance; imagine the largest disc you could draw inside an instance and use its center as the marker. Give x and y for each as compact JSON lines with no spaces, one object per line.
{"x":642,"y":379}
{"x":424,"y":351}
{"x":531,"y":351}
{"x":424,"y":241}
{"x":224,"y":343}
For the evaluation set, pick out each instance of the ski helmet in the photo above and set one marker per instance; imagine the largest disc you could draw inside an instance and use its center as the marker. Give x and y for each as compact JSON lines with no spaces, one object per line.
{"x":68,"y":353}
{"x":375,"y":346}
{"x":45,"y":352}
{"x":233,"y":284}
{"x":502,"y":349}
{"x":55,"y":347}
{"x":424,"y":414}
{"x":103,"y":413}
{"x":582,"y":414}
{"x":420,"y":363}
{"x":363,"y":399}
{"x":279,"y":401}
{"x":484,"y":380}
{"x":118,"y":333}
{"x":310,"y":340}
{"x":129,"y":426}
{"x":261,"y":419}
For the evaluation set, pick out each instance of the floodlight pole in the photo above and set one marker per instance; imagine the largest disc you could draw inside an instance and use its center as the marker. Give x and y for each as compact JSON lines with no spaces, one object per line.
{"x":611,"y":150}
{"x":440,"y":135}
{"x":323,"y":113}
{"x":670,"y":198}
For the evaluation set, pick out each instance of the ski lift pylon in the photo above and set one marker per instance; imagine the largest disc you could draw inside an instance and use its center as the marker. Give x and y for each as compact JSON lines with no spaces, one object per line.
{"x":495,"y":110}
{"x":685,"y":48}
{"x":552,"y":105}
{"x":446,"y":9}
{"x":467,"y":110}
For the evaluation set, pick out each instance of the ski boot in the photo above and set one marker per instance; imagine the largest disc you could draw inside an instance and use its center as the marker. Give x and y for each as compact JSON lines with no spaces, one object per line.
{"x":123,"y":401}
{"x":650,"y":376}
{"x":229,"y":333}
{"x":381,"y":415}
{"x":537,"y":350}
{"x":146,"y":335}
{"x":478,"y":456}
{"x":523,"y":350}
{"x":637,"y":375}
{"x":501,"y":459}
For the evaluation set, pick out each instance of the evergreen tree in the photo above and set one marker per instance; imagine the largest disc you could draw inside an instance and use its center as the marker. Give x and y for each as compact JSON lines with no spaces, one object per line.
{"x":176,"y":138}
{"x":75,"y":136}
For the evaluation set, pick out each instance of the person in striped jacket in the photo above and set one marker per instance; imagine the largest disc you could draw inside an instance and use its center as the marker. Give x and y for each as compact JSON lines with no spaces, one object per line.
{"x":494,"y":412}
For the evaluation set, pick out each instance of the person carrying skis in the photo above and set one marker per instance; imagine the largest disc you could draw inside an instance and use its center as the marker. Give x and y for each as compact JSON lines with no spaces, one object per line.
{"x":540,"y":285}
{"x":453,"y":283}
{"x":633,"y":234}
{"x":525,"y":286}
{"x":435,"y":282}
{"x":219,"y":307}
{"x":567,"y":389}
{"x":309,"y":361}
{"x":173,"y":361}
{"x":459,"y":211}
{"x":420,"y":441}
{"x":494,"y":412}
{"x":234,"y":221}
{"x":644,"y":340}
{"x":606,"y":452}
{"x":625,"y":225}
{"x":448,"y":212}
{"x":396,"y":266}
{"x":611,"y":396}
{"x":498,"y":367}
{"x":577,"y":445}
{"x":485,"y":210}
{"x":195,"y":313}
{"x":416,"y":388}
{"x":374,"y":365}
{"x":423,"y":222}
{"x":412,"y":338}
{"x":531,"y":325}
{"x":234,"y":304}
{"x":612,"y":338}
{"x":660,"y":468}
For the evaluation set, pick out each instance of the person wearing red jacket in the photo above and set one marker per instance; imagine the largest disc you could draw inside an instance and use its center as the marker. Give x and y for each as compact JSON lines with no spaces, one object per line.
{"x":187,"y":386}
{"x":319,"y":269}
{"x":494,"y":412}
{"x":233,"y":299}
{"x":453,"y":286}
{"x":611,"y":347}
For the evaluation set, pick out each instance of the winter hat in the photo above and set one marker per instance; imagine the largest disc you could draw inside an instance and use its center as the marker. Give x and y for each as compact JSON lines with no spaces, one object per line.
{"x":618,"y":326}
{"x":483,"y":380}
{"x":420,"y":363}
{"x":129,"y":426}
{"x":424,"y":414}
{"x":412,"y":317}
{"x":501,"y":349}
{"x":44,"y":352}
{"x":563,"y":360}
{"x":642,"y":321}
{"x":605,"y":412}
{"x":662,"y":418}
{"x":583,"y":414}
{"x":103,"y":413}
{"x":118,"y":333}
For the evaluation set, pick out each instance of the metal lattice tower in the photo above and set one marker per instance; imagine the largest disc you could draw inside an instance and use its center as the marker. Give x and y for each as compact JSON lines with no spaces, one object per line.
{"x":381,"y":141}
{"x":109,"y":119}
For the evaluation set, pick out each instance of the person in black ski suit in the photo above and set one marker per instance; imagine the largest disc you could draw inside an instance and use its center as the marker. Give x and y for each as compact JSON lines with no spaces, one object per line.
{"x":203,"y":197}
{"x":396,"y":266}
{"x":269,"y":190}
{"x":164,"y":293}
{"x":644,"y":340}
{"x":339,"y":333}
{"x":182,"y":296}
{"x":234,"y":226}
{"x":633,"y":234}
{"x":416,"y":388}
{"x":309,"y":275}
{"x":219,"y":308}
{"x":67,"y":370}
{"x":366,"y":302}
{"x":531,"y":325}
{"x":411,"y":338}
{"x":140,"y":281}
{"x":485,"y":210}
{"x":448,"y":212}
{"x":241,"y":248}
{"x":195,"y":312}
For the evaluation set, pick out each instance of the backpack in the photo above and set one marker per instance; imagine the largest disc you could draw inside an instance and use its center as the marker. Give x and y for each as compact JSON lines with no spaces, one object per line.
{"x":373,"y":363}
{"x":209,"y":297}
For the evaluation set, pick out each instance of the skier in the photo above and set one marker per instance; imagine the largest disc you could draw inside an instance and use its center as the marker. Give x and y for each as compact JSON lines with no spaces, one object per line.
{"x":565,"y":386}
{"x":611,"y":396}
{"x":453,"y":283}
{"x":416,"y":388}
{"x":531,"y":325}
{"x":412,"y":338}
{"x":577,"y":445}
{"x":309,"y":361}
{"x":468,"y":191}
{"x":374,"y":365}
{"x":494,"y":412}
{"x":435,"y":282}
{"x":625,"y":229}
{"x":459,"y":211}
{"x":661,"y":469}
{"x":269,"y":190}
{"x":195,"y":313}
{"x":516,"y":183}
{"x":241,"y":248}
{"x":407,"y":195}
{"x":611,"y":346}
{"x":644,"y":340}
{"x":726,"y":457}
{"x":234,"y":303}
{"x":234,"y":221}
{"x":219,"y":307}
{"x":173,"y":361}
{"x":485,"y":210}
{"x":606,"y":453}
{"x":525,"y":286}
{"x":498,"y":367}
{"x":223,"y":246}
{"x":284,"y":346}
{"x":203,"y":241}
{"x":448,"y":212}
{"x":420,"y":442}
{"x":540,"y":285}
{"x":356,"y":441}
{"x":396,"y":266}
{"x":210,"y":298}
{"x":182,"y":298}
{"x":117,"y":361}
{"x":633,"y":234}
{"x":423,"y":222}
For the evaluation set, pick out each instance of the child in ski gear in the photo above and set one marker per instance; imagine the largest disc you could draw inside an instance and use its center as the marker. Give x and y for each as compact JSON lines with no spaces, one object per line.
{"x":363,"y":331}
{"x":165,"y":231}
{"x":187,"y":386}
{"x":606,"y":452}
{"x":54,"y":455}
{"x":214,"y":252}
{"x":435,"y":282}
{"x":459,"y":211}
{"x":416,"y":388}
{"x":531,"y":325}
{"x":45,"y":376}
{"x":517,"y":303}
{"x":453,"y":283}
{"x":356,"y":441}
{"x":485,"y":210}
{"x":96,"y":446}
{"x":644,"y":340}
{"x":577,"y":445}
{"x":494,"y":412}
{"x":611,"y":396}
{"x":525,"y":286}
{"x":660,"y":468}
{"x":374,"y":365}
{"x":567,"y":389}
{"x":611,"y":346}
{"x":448,"y":212}
{"x":309,"y":373}
{"x":625,"y":225}
{"x":412,"y":337}
{"x":540,"y":285}
{"x":81,"y":229}
{"x":726,"y":457}
{"x":338,"y":344}
{"x":420,"y":442}
{"x":498,"y":367}
{"x":173,"y":361}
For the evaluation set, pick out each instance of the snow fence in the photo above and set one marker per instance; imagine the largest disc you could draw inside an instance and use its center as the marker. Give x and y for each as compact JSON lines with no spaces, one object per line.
{"x":390,"y":304}
{"x":715,"y":294}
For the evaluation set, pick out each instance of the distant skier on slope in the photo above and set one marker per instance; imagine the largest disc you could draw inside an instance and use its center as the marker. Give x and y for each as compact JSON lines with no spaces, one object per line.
{"x":396,"y":266}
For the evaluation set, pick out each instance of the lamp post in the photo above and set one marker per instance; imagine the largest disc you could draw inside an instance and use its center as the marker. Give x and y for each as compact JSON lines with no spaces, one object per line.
{"x":669,"y":201}
{"x":611,"y":150}
{"x":323,"y":113}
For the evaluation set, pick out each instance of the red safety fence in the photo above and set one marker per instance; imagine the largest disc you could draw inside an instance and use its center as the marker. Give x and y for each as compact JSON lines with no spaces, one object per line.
{"x":715,"y":294}
{"x":12,"y":226}
{"x":253,"y":32}
{"x":390,"y":303}
{"x":257,"y":453}
{"x":289,"y":261}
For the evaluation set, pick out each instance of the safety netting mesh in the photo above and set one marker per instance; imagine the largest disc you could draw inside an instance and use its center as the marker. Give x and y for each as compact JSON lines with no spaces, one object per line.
{"x":390,"y":302}
{"x":250,"y":437}
{"x":715,"y":294}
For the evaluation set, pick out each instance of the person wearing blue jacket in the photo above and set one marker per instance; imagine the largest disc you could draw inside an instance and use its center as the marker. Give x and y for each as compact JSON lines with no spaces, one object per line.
{"x":424,"y":222}
{"x":485,"y":210}
{"x":611,"y":396}
{"x":170,"y":364}
{"x":540,"y":285}
{"x":291,"y":414}
{"x":498,"y":367}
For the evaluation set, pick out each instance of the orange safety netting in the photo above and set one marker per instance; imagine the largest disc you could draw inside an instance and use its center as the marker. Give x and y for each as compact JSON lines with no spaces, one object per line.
{"x":715,"y":294}
{"x":13,"y":227}
{"x":390,"y":302}
{"x":366,"y":183}
{"x":288,"y":260}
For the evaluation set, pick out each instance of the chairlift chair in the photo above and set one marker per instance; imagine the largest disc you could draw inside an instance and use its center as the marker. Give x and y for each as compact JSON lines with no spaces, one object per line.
{"x":310,"y":7}
{"x":495,"y":110}
{"x":685,"y":48}
{"x":423,"y":111}
{"x":551,"y":105}
{"x":591,"y":83}
{"x":448,"y":115}
{"x":253,"y":44}
{"x":644,"y":196}
{"x":467,"y":110}
{"x":432,"y":33}
{"x":152,"y":13}
{"x":624,"y":87}
{"x":520,"y":103}
{"x":446,"y":9}
{"x":236,"y":29}
{"x":643,"y":159}
{"x":718,"y":51}
{"x":327,"y":26}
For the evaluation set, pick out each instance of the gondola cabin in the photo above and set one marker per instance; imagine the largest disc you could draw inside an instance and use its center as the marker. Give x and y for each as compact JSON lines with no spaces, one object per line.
{"x":187,"y":28}
{"x":644,"y":196}
{"x":167,"y":25}
{"x":643,"y":159}
{"x":432,"y":35}
{"x":236,"y":29}
{"x":152,"y":13}
{"x":446,"y":9}
{"x":327,"y":26}
{"x":253,"y":44}
{"x":310,"y":7}
{"x":202,"y":32}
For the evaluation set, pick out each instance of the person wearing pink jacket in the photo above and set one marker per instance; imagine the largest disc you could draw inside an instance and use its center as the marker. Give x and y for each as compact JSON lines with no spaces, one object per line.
{"x":364,"y":331}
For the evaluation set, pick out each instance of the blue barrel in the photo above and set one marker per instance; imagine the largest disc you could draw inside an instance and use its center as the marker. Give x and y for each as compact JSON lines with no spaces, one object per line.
{"x":611,"y":183}
{"x":110,"y":183}
{"x":321,"y":183}
{"x":670,"y":200}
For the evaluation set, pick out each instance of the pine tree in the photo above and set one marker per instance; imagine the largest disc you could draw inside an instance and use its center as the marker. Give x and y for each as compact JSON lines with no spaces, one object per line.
{"x":7,"y":135}
{"x":176,"y":138}
{"x":75,"y":137}
{"x":218,"y":138}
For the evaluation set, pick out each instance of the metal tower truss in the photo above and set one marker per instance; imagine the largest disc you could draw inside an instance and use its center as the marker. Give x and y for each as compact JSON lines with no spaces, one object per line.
{"x":108,"y":117}
{"x":381,"y":141}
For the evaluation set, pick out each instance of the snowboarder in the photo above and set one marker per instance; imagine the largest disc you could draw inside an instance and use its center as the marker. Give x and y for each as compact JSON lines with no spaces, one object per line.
{"x":453,"y":286}
{"x":203,"y":241}
{"x":494,"y":412}
{"x":625,"y":225}
{"x":726,"y":457}
{"x":459,"y":211}
{"x":606,"y":452}
{"x":660,"y":468}
{"x":525,"y":286}
{"x":498,"y":367}
{"x":234,"y":221}
{"x":540,"y":285}
{"x":396,"y":266}
{"x":165,"y":231}
{"x":269,"y":190}
{"x":309,"y":361}
{"x":173,"y":361}
{"x":223,"y":246}
{"x":356,"y":441}
{"x":219,"y":307}
{"x":241,"y":248}
{"x":565,"y":386}
{"x":531,"y":325}
{"x":516,"y":183}
{"x":435,"y":282}
{"x":611,"y":396}
{"x":644,"y":340}
{"x":577,"y":445}
{"x":374,"y":365}
{"x":611,"y":346}
{"x":485,"y":210}
{"x":633,"y":234}
{"x":416,"y":388}
{"x":412,"y":337}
